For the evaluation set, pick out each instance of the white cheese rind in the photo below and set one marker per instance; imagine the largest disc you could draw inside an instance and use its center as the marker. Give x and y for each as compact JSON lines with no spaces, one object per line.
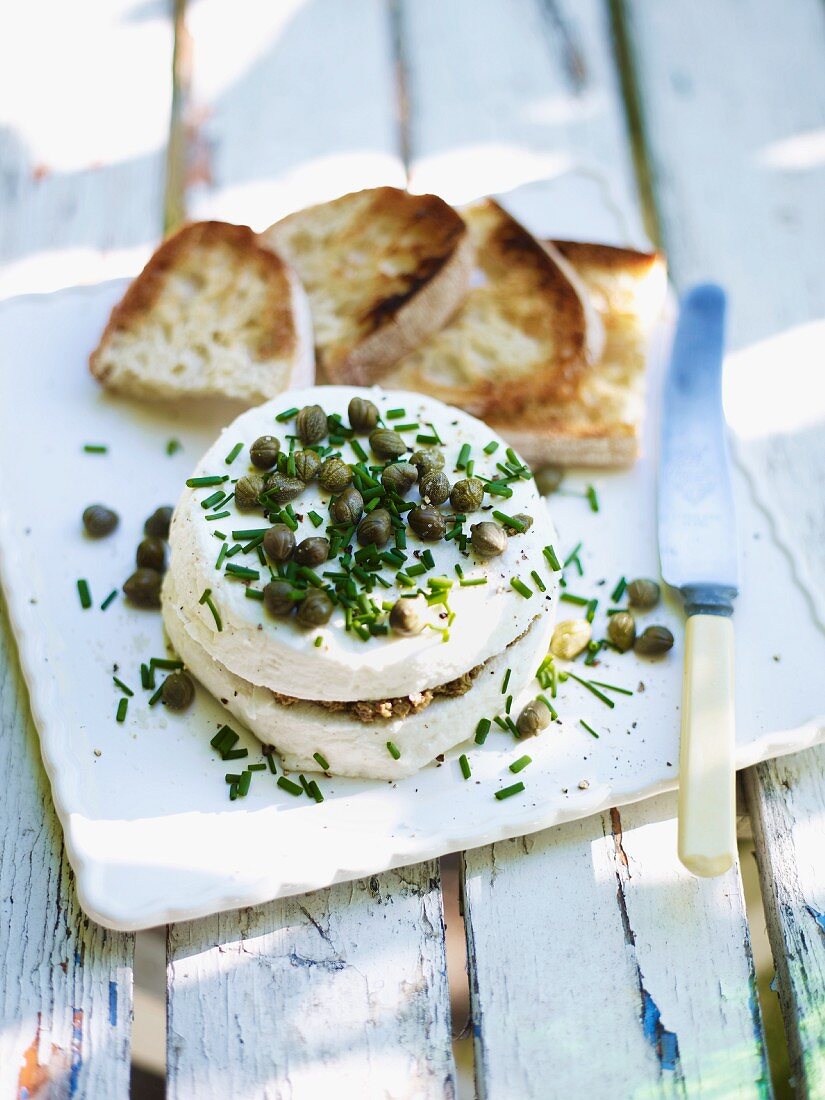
{"x":356,"y":748}
{"x":278,"y":653}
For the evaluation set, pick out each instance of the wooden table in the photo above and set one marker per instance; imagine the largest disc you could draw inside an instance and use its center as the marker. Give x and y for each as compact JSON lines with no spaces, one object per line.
{"x":597,"y":967}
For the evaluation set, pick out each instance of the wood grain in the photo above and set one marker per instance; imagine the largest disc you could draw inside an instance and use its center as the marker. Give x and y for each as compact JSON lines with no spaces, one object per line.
{"x":341,"y":992}
{"x":734,"y":100}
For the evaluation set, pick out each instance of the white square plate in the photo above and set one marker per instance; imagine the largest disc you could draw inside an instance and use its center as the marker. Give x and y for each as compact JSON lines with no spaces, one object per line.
{"x":149,"y":828}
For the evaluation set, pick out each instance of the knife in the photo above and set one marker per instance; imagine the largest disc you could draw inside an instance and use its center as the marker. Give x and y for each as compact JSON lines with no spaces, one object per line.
{"x":697,"y":550}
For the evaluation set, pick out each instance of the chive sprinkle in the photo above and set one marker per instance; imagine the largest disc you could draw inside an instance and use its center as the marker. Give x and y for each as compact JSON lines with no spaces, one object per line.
{"x":287,"y":414}
{"x":169,"y":664}
{"x":589,"y":729}
{"x":213,"y":498}
{"x":221,"y":555}
{"x":618,"y":591}
{"x":518,"y":584}
{"x":243,"y":571}
{"x":359,"y":450}
{"x":218,"y":515}
{"x":235,"y":754}
{"x":249,"y":533}
{"x":498,"y":489}
{"x":508,"y":704}
{"x":108,"y":599}
{"x":463,"y":456}
{"x":520,"y":764}
{"x":233,"y":454}
{"x":569,"y":597}
{"x":510,"y":521}
{"x":315,"y":519}
{"x":591,"y":610}
{"x":319,"y":641}
{"x":204,"y":482}
{"x":508,"y":792}
{"x":210,"y":603}
{"x":173,"y":446}
{"x":290,"y":787}
{"x":395,"y":414}
{"x":254,"y":594}
{"x":95,"y":448}
{"x":122,"y":707}
{"x":270,"y":761}
{"x":393,"y":750}
{"x":590,"y":493}
{"x":424,"y":437}
{"x":553,"y":712}
{"x":491,"y":447}
{"x":147,"y":680}
{"x":321,"y":760}
{"x":612,"y":687}
{"x":573,"y":555}
{"x":244,"y":783}
{"x":84,"y":594}
{"x":542,"y":587}
{"x":123,"y":687}
{"x":482,"y":729}
{"x":464,"y":764}
{"x":553,"y":561}
{"x":256,"y":767}
{"x":592,"y":688}
{"x":156,"y":696}
{"x":506,"y":681}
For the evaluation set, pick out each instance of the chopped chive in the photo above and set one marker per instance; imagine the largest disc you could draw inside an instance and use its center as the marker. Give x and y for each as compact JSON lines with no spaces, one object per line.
{"x":508,"y":792}
{"x":315,"y":519}
{"x":510,"y":521}
{"x":168,"y":664}
{"x":147,"y":680}
{"x":553,"y":561}
{"x":491,"y":447}
{"x":256,"y":767}
{"x":95,"y":448}
{"x":210,"y":603}
{"x":521,"y":587}
{"x":232,"y":777}
{"x":249,"y":533}
{"x":427,"y":558}
{"x":482,"y":729}
{"x":235,"y":754}
{"x":395,"y":414}
{"x":108,"y":599}
{"x":463,"y":456}
{"x":591,"y":610}
{"x":290,"y":521}
{"x":498,"y":489}
{"x":218,"y":515}
{"x":499,"y":721}
{"x":464,"y":764}
{"x":84,"y":594}
{"x":213,"y":498}
{"x":305,"y":784}
{"x":471,"y":582}
{"x":155,"y":698}
{"x":612,"y":687}
{"x":290,"y":787}
{"x":508,"y":704}
{"x":590,"y":687}
{"x":219,"y":535}
{"x":222,"y":554}
{"x":203,"y":482}
{"x":318,"y":642}
{"x":510,"y":725}
{"x":233,"y":792}
{"x":123,"y":687}
{"x":393,"y":750}
{"x":173,"y":446}
{"x":573,"y":555}
{"x":287,"y":414}
{"x":423,"y":437}
{"x":224,"y":739}
{"x":520,"y":764}
{"x":506,"y":681}
{"x":542,"y":587}
{"x":321,"y":760}
{"x":590,"y":493}
{"x":233,"y":454}
{"x":270,"y":761}
{"x":359,"y":450}
{"x":553,"y":712}
{"x":618,"y":591}
{"x":243,"y":571}
{"x":589,"y":729}
{"x":315,"y":791}
{"x":122,"y":707}
{"x":244,"y":784}
{"x":413,"y":426}
{"x":569,"y":597}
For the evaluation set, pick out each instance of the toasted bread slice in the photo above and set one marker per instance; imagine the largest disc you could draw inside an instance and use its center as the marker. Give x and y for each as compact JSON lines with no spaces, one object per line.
{"x":601,"y":425}
{"x":525,"y":333}
{"x":383,"y":269}
{"x":213,"y":313}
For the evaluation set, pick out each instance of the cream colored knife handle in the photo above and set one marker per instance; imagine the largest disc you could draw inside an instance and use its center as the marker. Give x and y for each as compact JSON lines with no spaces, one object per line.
{"x":707,"y":831}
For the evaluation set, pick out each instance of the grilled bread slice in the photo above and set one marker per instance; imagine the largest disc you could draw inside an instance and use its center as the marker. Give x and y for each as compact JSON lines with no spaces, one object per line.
{"x":383,"y":269}
{"x":601,"y":425}
{"x":526,"y":332}
{"x":213,"y":313}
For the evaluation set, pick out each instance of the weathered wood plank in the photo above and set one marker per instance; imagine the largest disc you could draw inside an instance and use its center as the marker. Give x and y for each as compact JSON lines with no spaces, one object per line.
{"x":570,"y":935}
{"x":734,"y":99}
{"x":85,"y":94}
{"x":341,"y":992}
{"x":600,"y":964}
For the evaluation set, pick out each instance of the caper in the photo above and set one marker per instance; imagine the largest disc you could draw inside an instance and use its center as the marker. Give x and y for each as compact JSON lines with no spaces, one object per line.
{"x":407,"y":616}
{"x":524,"y":522}
{"x":312,"y":551}
{"x":467,"y":494}
{"x":279,"y":598}
{"x":374,"y":529}
{"x":548,"y":479}
{"x":264,"y":452}
{"x":534,"y":717}
{"x":347,"y":508}
{"x":570,"y":638}
{"x":307,"y":464}
{"x":488,"y":539}
{"x":311,"y":424}
{"x":654,"y":641}
{"x":434,"y":488}
{"x":315,"y":608}
{"x":334,"y":475}
{"x":387,"y":443}
{"x":279,"y":542}
{"x":399,"y":477}
{"x":426,"y":461}
{"x":157,"y":524}
{"x":621,"y":630}
{"x":428,"y":523}
{"x":247,"y":491}
{"x":363,"y":415}
{"x":643,"y":593}
{"x":99,"y":520}
{"x":151,"y":554}
{"x":143,"y":587}
{"x":178,"y":691}
{"x":282,"y":489}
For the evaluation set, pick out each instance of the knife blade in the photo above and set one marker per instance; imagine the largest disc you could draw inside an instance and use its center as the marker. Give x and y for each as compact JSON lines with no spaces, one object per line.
{"x":697,"y":550}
